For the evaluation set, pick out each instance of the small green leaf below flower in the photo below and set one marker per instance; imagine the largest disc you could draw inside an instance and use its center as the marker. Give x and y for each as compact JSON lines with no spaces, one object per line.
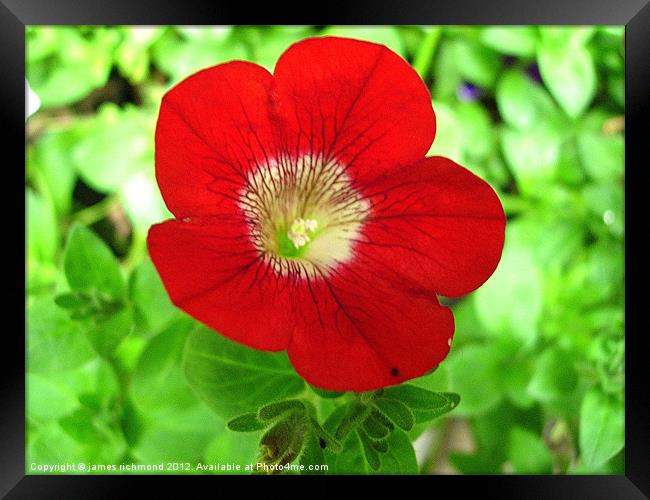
{"x":247,"y":422}
{"x":363,"y":433}
{"x":273,"y":410}
{"x":396,"y":411}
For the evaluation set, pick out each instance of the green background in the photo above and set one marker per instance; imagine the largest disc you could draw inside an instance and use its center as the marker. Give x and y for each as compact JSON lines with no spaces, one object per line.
{"x":117,"y":374}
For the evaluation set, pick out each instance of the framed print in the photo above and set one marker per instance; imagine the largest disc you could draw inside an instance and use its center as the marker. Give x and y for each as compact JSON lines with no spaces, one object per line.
{"x":383,"y":242}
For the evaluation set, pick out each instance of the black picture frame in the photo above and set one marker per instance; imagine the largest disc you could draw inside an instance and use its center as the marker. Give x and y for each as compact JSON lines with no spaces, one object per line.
{"x":634,"y":14}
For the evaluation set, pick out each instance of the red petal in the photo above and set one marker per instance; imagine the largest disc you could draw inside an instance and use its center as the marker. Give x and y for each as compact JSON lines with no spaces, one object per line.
{"x":211,"y":270}
{"x":212,"y":128}
{"x":356,"y":102}
{"x":347,"y":331}
{"x":434,"y":225}
{"x":362,"y":334}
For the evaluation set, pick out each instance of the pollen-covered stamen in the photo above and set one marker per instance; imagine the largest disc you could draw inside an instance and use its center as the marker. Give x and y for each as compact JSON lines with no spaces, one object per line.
{"x":303,"y":215}
{"x":300,"y":231}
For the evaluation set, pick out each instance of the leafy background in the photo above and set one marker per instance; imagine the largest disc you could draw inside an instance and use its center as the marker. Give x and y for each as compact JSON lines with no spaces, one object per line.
{"x":116,"y":373}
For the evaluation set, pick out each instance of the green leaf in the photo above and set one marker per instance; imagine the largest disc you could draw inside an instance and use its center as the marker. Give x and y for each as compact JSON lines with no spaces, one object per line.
{"x":448,"y":76}
{"x":275,"y":409}
{"x":150,"y":300}
{"x":205,"y":33}
{"x":436,"y":380}
{"x":478,"y":138}
{"x":222,"y":372}
{"x":568,"y":37}
{"x":452,"y":400}
{"x":351,"y":459}
{"x":117,"y":145}
{"x":42,"y":40}
{"x":158,"y":384}
{"x":426,"y":405}
{"x":372,"y":457}
{"x":568,"y":166}
{"x":69,"y":395}
{"x":527,"y":453}
{"x":606,"y":201}
{"x":375,"y":428}
{"x":381,"y":418}
{"x":569,"y":73}
{"x":533,"y":156}
{"x":449,"y":132}
{"x":554,"y":377}
{"x":132,"y":55}
{"x":49,"y":398}
{"x":107,"y":332}
{"x":141,"y":199}
{"x":472,"y":363}
{"x":55,"y":394}
{"x":179,"y":436}
{"x":381,"y":445}
{"x":90,"y":265}
{"x":312,"y":455}
{"x":82,"y":305}
{"x":71,"y":300}
{"x":179,"y":58}
{"x":400,"y":457}
{"x":490,"y":433}
{"x":616,"y":89}
{"x":85,"y":426}
{"x":476,"y":63}
{"x":76,"y":65}
{"x":325,"y":440}
{"x":396,"y":411}
{"x":233,"y":447}
{"x":416,"y":398}
{"x":516,"y":276}
{"x":517,"y":378}
{"x":355,"y":414}
{"x":480,"y":462}
{"x":42,"y":232}
{"x":248,"y":422}
{"x":552,"y":237}
{"x":50,"y":165}
{"x":523,"y":104}
{"x":51,"y":444}
{"x":511,"y":40}
{"x":603,"y":156}
{"x":54,"y":342}
{"x":601,"y":428}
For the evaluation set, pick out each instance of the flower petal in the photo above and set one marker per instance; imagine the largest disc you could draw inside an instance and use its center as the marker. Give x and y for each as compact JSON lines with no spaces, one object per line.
{"x":213,"y":127}
{"x":211,"y":270}
{"x":356,"y":102}
{"x":363,"y":334}
{"x":434,"y":225}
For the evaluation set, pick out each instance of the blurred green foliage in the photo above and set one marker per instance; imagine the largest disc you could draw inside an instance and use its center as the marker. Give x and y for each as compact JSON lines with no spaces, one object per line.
{"x":117,"y":374}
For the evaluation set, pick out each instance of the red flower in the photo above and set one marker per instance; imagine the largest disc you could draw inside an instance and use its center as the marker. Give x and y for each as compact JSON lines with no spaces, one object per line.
{"x":309,"y":219}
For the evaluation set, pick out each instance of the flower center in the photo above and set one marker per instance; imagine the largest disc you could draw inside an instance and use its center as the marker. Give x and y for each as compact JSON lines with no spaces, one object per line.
{"x":293,"y":242}
{"x":303,"y":215}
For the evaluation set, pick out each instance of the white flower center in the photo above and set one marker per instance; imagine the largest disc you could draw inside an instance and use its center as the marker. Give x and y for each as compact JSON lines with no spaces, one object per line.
{"x":303,"y":215}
